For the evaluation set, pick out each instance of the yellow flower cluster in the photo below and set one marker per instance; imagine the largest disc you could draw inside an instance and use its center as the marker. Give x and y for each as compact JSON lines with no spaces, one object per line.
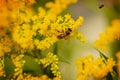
{"x":23,"y":35}
{"x":42,"y":77}
{"x":9,"y":10}
{"x":5,"y":43}
{"x":46,"y":43}
{"x":51,"y":60}
{"x":118,"y":62}
{"x":48,"y":31}
{"x":42,"y":30}
{"x":112,"y":33}
{"x":19,"y":63}
{"x":30,"y":77}
{"x":56,"y":7}
{"x":97,"y":69}
{"x":2,"y":72}
{"x":9,"y":18}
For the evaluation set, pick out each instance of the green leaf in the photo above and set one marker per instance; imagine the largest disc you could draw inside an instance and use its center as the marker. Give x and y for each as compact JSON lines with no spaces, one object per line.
{"x":2,"y":78}
{"x":115,"y":73}
{"x":62,"y":59}
{"x":109,"y":77}
{"x":115,"y":69}
{"x":55,"y":50}
{"x":48,"y":71}
{"x":102,"y":54}
{"x":31,"y":66}
{"x":9,"y":67}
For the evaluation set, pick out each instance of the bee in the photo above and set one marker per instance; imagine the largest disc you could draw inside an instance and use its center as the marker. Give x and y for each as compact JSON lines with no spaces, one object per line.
{"x":101,"y":6}
{"x":101,"y":3}
{"x":64,"y":34}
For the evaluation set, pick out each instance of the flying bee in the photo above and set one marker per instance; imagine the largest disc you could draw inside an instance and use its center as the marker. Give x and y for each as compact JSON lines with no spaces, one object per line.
{"x":65,"y":33}
{"x":101,"y":3}
{"x":101,"y":6}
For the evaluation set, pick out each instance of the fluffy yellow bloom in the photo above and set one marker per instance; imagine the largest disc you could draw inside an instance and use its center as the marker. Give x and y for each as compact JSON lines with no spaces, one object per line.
{"x":42,"y":77}
{"x":19,"y":63}
{"x":30,"y":77}
{"x":2,"y":72}
{"x":5,"y":43}
{"x":23,"y":35}
{"x":111,"y":34}
{"x":51,"y":60}
{"x":99,"y":68}
{"x":9,"y":10}
{"x":118,"y":62}
{"x":43,"y":33}
{"x":46,"y":43}
{"x":43,"y":30}
{"x":55,"y":8}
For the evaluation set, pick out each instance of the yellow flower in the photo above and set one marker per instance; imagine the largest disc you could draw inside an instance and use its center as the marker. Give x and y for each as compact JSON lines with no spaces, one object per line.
{"x":2,"y":72}
{"x":46,"y":43}
{"x":41,"y":30}
{"x":111,"y":34}
{"x":118,"y":62}
{"x":23,"y":35}
{"x":9,"y":10}
{"x":99,"y":68}
{"x":42,"y":77}
{"x":52,"y":60}
{"x":58,"y":6}
{"x":19,"y":63}
{"x":5,"y":43}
